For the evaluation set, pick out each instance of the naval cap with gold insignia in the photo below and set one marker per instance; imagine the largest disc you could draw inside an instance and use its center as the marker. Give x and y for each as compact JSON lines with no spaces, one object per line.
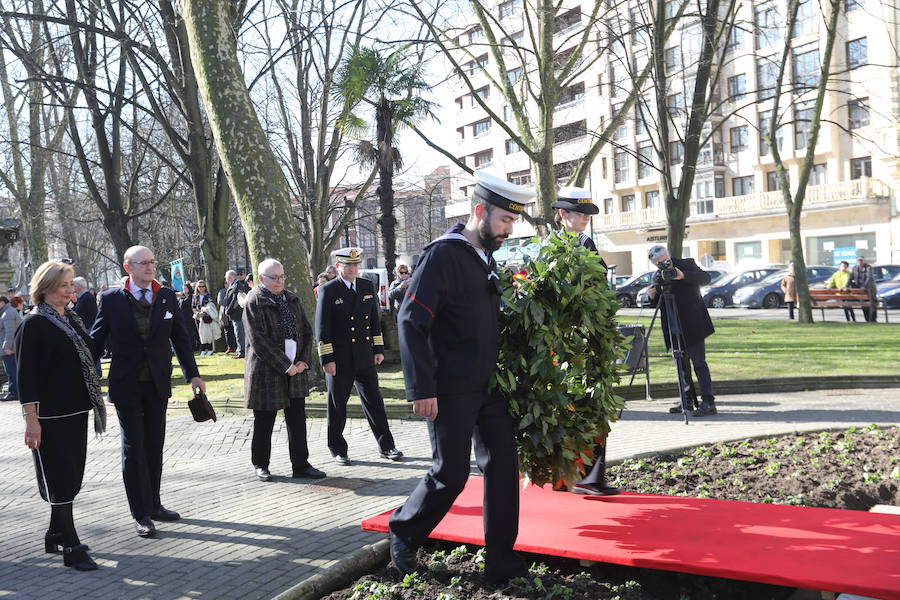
{"x":501,"y":193}
{"x":349,"y":256}
{"x":577,"y":199}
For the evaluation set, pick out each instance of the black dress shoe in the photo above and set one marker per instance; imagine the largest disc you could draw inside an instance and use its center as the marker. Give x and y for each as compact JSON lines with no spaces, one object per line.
{"x":392,"y":454}
{"x":77,"y":556}
{"x":309,"y":472}
{"x":263,"y":474}
{"x":510,"y":568}
{"x":164,"y":514}
{"x":706,"y":409}
{"x":403,"y":556}
{"x":343,"y":460}
{"x":145,"y":527}
{"x":595,"y":489}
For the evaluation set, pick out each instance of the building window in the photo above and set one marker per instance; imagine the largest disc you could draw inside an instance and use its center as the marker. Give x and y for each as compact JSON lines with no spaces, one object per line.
{"x":806,"y":18}
{"x":482,"y":93}
{"x":672,"y":7}
{"x":737,"y":86}
{"x":476,"y":34}
{"x":519,"y":177}
{"x":740,"y":138}
{"x":481,"y":128}
{"x":573,"y":93}
{"x":652,"y":199}
{"x":568,"y":19}
{"x":620,"y":162}
{"x":516,"y":39}
{"x":818,"y":175}
{"x":676,"y":152}
{"x":514,"y":75}
{"x":764,"y":117}
{"x":640,"y":126}
{"x":608,"y":206}
{"x":766,"y":77}
{"x":806,"y":65}
{"x":854,"y":4}
{"x":803,"y":114}
{"x":460,"y":133}
{"x":512,"y":146}
{"x":772,"y":182}
{"x":857,"y":53}
{"x":565,"y":170}
{"x":616,"y":78}
{"x":482,"y":159}
{"x":510,"y":8}
{"x":767,"y":29}
{"x":628,"y":203}
{"x":673,"y":59}
{"x":459,"y":103}
{"x":569,"y":131}
{"x":622,"y":130}
{"x":859,"y":112}
{"x":645,"y":159}
{"x":735,"y":37}
{"x":675,"y":104}
{"x":742,"y":186}
{"x":861,"y":167}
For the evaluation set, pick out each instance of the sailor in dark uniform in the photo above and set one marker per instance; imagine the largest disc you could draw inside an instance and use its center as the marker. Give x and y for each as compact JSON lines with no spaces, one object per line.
{"x":449,"y":334}
{"x":348,"y":330}
{"x":574,"y":208}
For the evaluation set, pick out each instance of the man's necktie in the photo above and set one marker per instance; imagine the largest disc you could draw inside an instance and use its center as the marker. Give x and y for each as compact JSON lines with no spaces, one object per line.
{"x":143,"y":299}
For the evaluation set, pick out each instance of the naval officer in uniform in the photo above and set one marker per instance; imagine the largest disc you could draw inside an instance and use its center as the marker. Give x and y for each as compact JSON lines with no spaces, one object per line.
{"x":449,"y":346}
{"x":348,"y":330}
{"x":574,"y":209}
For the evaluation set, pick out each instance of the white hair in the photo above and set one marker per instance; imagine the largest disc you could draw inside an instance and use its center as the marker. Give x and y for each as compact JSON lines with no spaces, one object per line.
{"x":230,"y":273}
{"x":80,"y":282}
{"x":264,"y":266}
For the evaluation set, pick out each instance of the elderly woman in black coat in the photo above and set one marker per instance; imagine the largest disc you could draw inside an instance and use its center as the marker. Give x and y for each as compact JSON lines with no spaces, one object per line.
{"x":58,"y":386}
{"x":278,"y":345}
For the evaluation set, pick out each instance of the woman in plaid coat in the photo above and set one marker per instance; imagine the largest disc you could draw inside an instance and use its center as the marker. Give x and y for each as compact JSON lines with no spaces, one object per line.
{"x":278,"y":344}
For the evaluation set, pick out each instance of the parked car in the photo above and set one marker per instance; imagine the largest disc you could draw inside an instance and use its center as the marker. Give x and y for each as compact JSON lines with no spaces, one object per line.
{"x":889,"y":292}
{"x":644,"y":300}
{"x":767,"y":293}
{"x":379,"y":278}
{"x":721,"y":294}
{"x":627,"y":292}
{"x":886,"y":272}
{"x":619,"y":280}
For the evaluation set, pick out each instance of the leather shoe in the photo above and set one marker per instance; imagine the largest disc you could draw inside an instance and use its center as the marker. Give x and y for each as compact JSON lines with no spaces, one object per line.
{"x":263,"y":474}
{"x":309,"y":472}
{"x":404,"y":558}
{"x":706,"y":409}
{"x":145,"y":527}
{"x":77,"y":556}
{"x":392,"y":454}
{"x":343,"y":460}
{"x":593,"y":489}
{"x":164,"y":514}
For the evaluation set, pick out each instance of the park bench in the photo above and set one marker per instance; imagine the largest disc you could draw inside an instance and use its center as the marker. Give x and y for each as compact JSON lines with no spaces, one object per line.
{"x":832,"y":298}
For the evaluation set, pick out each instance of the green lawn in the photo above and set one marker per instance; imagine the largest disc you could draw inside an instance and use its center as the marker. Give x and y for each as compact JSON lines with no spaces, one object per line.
{"x":740,"y":349}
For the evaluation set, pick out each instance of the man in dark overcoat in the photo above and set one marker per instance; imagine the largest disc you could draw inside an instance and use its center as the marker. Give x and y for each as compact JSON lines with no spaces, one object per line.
{"x":143,"y":324}
{"x":350,"y":343}
{"x":693,"y":317}
{"x":449,"y":335}
{"x":278,"y":344}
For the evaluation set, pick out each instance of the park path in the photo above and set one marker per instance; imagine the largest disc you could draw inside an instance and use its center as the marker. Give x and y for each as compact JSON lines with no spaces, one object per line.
{"x":243,"y":539}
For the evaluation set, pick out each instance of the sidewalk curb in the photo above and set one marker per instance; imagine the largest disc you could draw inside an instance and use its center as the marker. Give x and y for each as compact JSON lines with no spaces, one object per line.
{"x":345,"y":570}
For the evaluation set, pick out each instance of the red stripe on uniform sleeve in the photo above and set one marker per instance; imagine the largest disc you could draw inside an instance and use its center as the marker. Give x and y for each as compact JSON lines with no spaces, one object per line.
{"x":420,"y":304}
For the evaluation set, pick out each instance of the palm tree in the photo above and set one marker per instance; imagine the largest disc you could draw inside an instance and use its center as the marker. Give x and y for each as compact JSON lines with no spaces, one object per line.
{"x":392,"y":85}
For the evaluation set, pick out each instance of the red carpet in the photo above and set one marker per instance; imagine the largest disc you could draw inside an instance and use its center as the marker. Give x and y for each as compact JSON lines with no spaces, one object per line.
{"x":815,"y":548}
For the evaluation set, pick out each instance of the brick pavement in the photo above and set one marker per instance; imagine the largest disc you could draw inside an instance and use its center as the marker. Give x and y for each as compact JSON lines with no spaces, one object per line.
{"x":239,"y":538}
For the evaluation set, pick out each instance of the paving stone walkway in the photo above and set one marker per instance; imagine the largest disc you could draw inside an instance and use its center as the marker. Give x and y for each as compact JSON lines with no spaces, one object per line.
{"x":243,"y":539}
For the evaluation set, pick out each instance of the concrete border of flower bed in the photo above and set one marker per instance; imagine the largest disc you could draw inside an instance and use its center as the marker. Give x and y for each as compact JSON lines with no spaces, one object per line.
{"x":351,"y":567}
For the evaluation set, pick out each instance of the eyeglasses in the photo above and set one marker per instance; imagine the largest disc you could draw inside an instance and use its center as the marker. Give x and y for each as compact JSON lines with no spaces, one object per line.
{"x":273,"y":277}
{"x":144,"y":263}
{"x":404,"y":272}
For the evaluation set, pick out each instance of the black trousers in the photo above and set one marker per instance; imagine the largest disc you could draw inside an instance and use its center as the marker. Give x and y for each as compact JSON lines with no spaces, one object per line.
{"x":790,"y":306}
{"x":143,"y":424}
{"x":228,"y":329}
{"x":697,"y":352}
{"x":870,"y":311}
{"x":339,"y":386}
{"x":461,"y":419}
{"x":264,"y":423}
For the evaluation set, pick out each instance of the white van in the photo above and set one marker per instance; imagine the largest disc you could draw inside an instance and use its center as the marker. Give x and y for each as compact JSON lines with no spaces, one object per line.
{"x":379,"y":278}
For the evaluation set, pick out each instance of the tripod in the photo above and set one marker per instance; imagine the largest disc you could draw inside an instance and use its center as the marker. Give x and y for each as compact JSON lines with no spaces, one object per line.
{"x":676,"y":344}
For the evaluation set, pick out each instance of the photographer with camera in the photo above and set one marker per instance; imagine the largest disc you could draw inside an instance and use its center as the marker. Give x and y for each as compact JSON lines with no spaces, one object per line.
{"x":682,"y":278}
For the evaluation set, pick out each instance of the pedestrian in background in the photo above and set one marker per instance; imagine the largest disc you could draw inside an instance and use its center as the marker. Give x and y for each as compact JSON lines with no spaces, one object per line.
{"x":186,"y":307}
{"x":9,"y":321}
{"x":279,"y":342}
{"x":227,"y":323}
{"x":397,"y":291}
{"x":53,"y":340}
{"x":789,"y":289}
{"x":234,"y":306}
{"x":862,"y":276}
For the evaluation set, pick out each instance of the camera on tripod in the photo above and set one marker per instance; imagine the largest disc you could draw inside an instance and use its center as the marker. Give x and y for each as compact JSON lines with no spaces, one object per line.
{"x":666,"y":274}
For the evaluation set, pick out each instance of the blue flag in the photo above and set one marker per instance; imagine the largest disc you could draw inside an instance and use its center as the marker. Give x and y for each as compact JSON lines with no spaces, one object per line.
{"x":177,"y":278}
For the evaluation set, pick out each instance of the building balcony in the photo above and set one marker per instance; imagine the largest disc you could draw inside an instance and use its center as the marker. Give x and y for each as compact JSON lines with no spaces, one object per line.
{"x":828,"y":196}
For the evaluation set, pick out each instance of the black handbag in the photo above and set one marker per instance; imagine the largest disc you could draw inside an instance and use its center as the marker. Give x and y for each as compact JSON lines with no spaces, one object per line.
{"x":200,"y":407}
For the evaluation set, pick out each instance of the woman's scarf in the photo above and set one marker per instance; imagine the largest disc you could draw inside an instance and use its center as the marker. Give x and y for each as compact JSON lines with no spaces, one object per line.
{"x":68,"y":325}
{"x":284,"y":310}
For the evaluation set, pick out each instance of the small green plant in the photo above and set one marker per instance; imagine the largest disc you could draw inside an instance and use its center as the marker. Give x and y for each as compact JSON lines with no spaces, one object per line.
{"x":456,"y":581}
{"x":559,"y":591}
{"x":371,"y":590}
{"x":438,"y":555}
{"x":438,"y":566}
{"x":583,"y":577}
{"x":871,"y":477}
{"x":772,"y":468}
{"x":727,"y":451}
{"x":539,"y":569}
{"x":445,"y":596}
{"x":895,"y":473}
{"x":478,"y":559}
{"x":459,"y":551}
{"x":413,"y":581}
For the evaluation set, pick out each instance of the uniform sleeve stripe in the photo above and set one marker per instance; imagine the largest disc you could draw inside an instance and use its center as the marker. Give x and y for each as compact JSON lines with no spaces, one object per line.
{"x":378,"y":340}
{"x":419,"y":302}
{"x":325,"y":349}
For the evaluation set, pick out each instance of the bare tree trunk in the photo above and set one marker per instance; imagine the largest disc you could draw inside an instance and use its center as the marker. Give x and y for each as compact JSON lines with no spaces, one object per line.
{"x":384,"y":130}
{"x":254,"y":175}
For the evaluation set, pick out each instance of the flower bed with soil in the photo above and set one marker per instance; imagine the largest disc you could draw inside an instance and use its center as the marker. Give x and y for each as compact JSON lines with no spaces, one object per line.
{"x":853,"y":469}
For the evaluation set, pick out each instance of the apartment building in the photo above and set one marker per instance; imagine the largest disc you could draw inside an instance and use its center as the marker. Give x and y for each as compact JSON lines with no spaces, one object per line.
{"x":737,"y":212}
